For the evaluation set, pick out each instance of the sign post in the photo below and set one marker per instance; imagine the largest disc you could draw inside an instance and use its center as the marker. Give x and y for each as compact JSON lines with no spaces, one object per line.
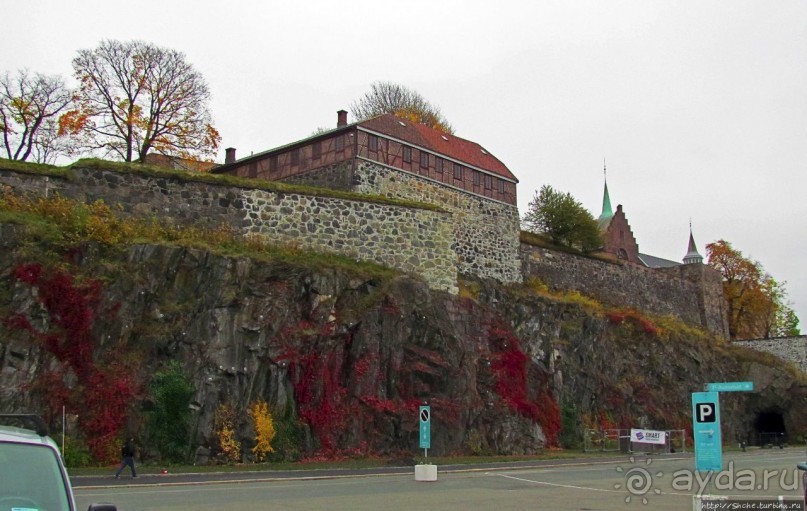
{"x":425,"y":429}
{"x":706,"y":422}
{"x":706,"y":431}
{"x":424,"y":471}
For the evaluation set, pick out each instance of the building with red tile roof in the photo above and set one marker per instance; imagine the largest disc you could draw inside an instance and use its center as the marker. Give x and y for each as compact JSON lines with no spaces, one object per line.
{"x":396,"y":158}
{"x":397,"y":143}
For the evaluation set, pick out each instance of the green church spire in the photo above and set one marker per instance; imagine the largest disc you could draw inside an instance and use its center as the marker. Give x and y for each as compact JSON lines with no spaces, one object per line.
{"x":607,"y":212}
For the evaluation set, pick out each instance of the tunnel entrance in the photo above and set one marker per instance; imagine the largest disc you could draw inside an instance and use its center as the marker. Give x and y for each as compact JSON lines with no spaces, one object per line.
{"x":769,"y":429}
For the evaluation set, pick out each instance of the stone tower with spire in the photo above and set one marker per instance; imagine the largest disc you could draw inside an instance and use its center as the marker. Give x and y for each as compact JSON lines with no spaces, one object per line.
{"x":692,"y":257}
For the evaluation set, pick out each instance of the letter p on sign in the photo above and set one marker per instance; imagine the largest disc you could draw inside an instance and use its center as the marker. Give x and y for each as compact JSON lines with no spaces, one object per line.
{"x":706,"y":412}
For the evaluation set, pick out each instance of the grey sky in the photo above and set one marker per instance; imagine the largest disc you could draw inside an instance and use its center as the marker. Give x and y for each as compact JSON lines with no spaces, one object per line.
{"x":699,"y":107}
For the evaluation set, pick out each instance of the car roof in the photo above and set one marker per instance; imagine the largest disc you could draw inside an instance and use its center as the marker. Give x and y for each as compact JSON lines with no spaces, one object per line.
{"x":25,"y":436}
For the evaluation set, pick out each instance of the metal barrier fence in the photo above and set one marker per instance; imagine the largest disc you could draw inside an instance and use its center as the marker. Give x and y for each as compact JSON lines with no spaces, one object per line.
{"x":606,"y":440}
{"x":775,"y":439}
{"x":619,"y":440}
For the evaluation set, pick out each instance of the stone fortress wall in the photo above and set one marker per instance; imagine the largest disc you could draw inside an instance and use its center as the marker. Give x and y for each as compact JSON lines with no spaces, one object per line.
{"x":474,"y":236}
{"x":789,"y":349}
{"x":412,"y":240}
{"x":486,"y":231}
{"x":689,"y":292}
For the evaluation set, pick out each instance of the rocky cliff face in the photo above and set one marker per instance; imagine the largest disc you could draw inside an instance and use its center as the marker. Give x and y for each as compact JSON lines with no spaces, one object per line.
{"x":349,"y":358}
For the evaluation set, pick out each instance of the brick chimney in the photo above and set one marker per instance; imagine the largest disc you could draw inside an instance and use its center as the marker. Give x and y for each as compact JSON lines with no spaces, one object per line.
{"x":229,"y":155}
{"x":341,"y":118}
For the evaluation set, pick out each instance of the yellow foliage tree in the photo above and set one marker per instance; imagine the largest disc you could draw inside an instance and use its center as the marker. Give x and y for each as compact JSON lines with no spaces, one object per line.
{"x":224,"y":418}
{"x":264,"y":429}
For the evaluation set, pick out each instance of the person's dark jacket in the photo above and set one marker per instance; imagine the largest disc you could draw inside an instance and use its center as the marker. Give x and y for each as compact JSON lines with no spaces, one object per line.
{"x":127,"y":450}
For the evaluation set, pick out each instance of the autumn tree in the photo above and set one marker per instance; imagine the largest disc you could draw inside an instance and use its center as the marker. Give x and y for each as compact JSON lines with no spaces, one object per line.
{"x":229,"y":448}
{"x":757,"y":303}
{"x":265,"y":431}
{"x":391,"y":98}
{"x":563,"y":219}
{"x":30,"y":105}
{"x":135,"y":98}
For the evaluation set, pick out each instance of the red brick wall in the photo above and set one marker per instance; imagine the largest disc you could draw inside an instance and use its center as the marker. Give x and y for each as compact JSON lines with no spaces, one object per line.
{"x":618,"y":239}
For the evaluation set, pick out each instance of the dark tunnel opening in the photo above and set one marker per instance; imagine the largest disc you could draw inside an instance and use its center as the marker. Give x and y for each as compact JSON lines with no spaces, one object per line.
{"x":769,"y":429}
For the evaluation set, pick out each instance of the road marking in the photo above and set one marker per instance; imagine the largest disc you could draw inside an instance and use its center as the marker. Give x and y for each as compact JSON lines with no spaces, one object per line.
{"x":570,"y":486}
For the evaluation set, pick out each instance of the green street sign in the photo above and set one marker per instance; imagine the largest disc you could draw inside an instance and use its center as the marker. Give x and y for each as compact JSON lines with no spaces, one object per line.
{"x":730,"y":386}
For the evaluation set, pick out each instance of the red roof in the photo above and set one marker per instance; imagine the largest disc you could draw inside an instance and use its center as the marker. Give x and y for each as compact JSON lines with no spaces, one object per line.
{"x":434,"y":140}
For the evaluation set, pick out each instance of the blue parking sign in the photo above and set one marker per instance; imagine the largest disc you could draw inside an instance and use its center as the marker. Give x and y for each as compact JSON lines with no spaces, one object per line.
{"x":706,"y":431}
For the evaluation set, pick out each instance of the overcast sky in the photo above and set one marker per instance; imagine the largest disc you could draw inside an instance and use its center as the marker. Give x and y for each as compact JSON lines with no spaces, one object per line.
{"x":699,"y":108}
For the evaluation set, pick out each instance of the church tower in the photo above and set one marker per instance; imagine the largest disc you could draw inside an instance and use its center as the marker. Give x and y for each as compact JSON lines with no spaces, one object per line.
{"x":607,"y":212}
{"x":692,"y":257}
{"x":617,"y":236}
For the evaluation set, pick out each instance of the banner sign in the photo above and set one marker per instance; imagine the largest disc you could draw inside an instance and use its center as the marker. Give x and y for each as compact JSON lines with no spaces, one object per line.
{"x":648,"y":436}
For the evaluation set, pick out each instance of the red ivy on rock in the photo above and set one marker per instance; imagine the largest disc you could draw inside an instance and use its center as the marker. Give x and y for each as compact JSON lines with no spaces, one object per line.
{"x":621,"y":316}
{"x":316,"y":375}
{"x":510,"y":367}
{"x":102,"y":395}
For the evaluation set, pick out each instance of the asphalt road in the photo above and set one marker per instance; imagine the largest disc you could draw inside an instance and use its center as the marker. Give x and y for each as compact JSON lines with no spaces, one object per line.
{"x":664,"y":483}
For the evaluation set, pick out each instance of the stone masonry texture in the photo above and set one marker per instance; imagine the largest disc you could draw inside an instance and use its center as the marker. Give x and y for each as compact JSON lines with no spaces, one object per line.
{"x":789,"y":349}
{"x":411,"y":240}
{"x":474,"y":236}
{"x":697,"y":301}
{"x":486,"y":231}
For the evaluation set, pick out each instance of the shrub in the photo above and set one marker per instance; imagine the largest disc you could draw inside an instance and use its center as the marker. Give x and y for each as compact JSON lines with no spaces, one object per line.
{"x":229,"y":448}
{"x":75,"y":453}
{"x":570,"y":434}
{"x":289,"y":436}
{"x":169,"y":420}
{"x":264,"y":429}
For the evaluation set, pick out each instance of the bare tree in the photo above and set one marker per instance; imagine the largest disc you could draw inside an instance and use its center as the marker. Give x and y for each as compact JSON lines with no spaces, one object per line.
{"x":391,"y":98}
{"x":50,"y":143}
{"x":29,"y":106}
{"x":136,"y":98}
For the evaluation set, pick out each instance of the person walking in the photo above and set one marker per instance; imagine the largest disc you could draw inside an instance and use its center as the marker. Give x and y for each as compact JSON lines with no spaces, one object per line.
{"x":127,"y":453}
